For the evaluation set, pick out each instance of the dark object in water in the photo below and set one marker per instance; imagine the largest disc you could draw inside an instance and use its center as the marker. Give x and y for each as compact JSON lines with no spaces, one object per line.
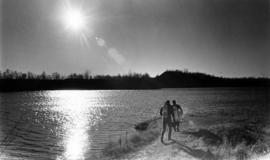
{"x":141,"y":126}
{"x":144,"y":125}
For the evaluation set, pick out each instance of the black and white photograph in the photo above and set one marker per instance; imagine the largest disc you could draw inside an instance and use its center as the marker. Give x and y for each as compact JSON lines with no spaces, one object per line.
{"x":134,"y":80}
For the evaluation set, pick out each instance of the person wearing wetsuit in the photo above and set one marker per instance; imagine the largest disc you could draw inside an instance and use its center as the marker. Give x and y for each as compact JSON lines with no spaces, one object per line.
{"x":178,"y":112}
{"x":167,"y":119}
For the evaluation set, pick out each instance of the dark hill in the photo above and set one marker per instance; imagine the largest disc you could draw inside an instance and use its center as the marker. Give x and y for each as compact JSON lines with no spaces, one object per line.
{"x":178,"y":79}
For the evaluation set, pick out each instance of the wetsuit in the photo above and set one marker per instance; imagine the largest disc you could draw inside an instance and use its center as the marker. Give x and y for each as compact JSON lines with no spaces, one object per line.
{"x":167,"y":119}
{"x":178,"y":112}
{"x":169,"y":115}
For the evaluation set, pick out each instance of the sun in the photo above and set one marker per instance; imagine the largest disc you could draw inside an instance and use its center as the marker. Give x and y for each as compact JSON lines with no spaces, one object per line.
{"x":77,"y":21}
{"x":74,"y":19}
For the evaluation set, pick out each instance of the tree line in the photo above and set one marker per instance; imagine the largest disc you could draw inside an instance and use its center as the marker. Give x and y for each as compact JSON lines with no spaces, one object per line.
{"x":18,"y":81}
{"x":16,"y":75}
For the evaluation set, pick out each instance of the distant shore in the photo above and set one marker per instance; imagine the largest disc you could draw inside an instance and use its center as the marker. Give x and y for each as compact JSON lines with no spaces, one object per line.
{"x":168,"y":79}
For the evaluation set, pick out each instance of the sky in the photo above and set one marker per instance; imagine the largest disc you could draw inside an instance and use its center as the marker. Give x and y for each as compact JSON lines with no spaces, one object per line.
{"x":227,"y":38}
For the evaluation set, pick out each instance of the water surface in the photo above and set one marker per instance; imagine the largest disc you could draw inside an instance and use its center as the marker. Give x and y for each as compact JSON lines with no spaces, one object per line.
{"x":76,"y":124}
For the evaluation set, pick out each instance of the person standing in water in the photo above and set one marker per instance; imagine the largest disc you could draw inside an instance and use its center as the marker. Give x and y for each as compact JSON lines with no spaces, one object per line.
{"x":178,"y":112}
{"x":167,"y":119}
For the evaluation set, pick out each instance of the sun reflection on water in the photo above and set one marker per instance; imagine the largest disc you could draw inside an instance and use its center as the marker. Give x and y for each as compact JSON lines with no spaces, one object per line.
{"x":81,"y":113}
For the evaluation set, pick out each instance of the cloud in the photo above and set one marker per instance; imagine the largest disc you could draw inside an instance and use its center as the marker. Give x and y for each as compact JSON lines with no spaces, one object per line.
{"x":114,"y":54}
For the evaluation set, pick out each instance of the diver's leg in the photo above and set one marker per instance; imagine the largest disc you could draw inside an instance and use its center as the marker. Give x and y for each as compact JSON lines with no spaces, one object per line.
{"x":163,"y":129}
{"x":170,"y":130}
{"x":174,"y":125}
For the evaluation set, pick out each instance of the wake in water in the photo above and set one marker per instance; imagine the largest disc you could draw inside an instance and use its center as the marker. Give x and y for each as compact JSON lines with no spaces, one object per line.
{"x":195,"y":141}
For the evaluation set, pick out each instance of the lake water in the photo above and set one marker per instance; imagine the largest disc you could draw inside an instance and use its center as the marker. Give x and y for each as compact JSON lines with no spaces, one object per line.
{"x":76,"y":124}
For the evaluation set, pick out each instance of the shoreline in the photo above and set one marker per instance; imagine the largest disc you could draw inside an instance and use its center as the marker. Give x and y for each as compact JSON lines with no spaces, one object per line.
{"x":25,"y":89}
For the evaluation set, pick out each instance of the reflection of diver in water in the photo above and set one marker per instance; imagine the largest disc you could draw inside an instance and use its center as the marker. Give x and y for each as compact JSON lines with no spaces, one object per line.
{"x":178,"y":113}
{"x":167,"y":119}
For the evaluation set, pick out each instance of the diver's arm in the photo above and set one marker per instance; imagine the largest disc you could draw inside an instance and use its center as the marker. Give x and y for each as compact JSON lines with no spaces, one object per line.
{"x":181,"y":109}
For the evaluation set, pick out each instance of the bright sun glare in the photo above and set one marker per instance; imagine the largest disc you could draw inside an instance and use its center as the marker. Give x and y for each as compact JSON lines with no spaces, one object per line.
{"x":74,"y":19}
